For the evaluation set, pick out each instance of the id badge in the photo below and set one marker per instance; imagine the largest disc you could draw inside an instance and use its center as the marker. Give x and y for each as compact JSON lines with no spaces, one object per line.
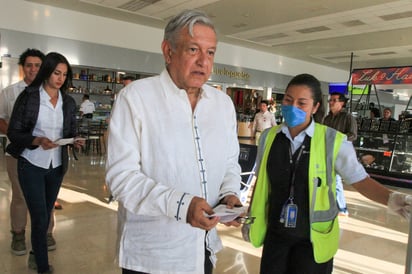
{"x":291,"y":215}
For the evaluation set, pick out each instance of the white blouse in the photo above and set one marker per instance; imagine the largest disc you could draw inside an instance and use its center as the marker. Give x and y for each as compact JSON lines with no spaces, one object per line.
{"x":49,"y":124}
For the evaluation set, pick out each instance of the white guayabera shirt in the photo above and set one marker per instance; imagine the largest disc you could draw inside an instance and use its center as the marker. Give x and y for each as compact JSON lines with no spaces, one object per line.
{"x":160,"y":155}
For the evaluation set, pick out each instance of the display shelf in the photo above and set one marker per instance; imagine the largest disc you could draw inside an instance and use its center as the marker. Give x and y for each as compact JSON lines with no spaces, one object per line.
{"x":383,"y":147}
{"x":99,"y":81}
{"x":246,"y":101}
{"x":404,"y":153}
{"x":370,"y":149}
{"x":386,"y":154}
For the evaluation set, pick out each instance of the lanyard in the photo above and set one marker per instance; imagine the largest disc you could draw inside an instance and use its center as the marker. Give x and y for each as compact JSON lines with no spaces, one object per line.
{"x":293,"y":169}
{"x":288,"y":215}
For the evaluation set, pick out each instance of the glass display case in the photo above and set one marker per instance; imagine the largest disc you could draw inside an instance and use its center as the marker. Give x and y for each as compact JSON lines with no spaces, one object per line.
{"x":385,"y":150}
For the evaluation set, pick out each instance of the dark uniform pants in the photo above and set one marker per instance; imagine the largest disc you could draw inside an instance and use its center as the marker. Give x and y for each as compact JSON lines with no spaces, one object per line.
{"x":291,"y":256}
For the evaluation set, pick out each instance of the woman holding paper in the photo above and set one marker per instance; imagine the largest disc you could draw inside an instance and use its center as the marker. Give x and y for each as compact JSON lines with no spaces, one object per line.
{"x":43,"y":113}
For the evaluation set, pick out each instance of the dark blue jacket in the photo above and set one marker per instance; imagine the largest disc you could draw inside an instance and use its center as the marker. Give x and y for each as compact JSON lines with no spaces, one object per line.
{"x":24,"y":118}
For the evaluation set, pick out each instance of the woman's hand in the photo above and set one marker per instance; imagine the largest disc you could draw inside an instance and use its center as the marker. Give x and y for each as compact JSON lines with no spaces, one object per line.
{"x":79,"y":142}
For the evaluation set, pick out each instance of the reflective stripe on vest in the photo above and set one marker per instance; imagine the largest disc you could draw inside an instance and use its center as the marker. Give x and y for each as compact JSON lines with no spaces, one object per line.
{"x":330,"y":211}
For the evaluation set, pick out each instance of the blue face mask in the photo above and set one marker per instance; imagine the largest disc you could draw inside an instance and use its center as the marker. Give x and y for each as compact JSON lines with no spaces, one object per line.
{"x":293,"y":116}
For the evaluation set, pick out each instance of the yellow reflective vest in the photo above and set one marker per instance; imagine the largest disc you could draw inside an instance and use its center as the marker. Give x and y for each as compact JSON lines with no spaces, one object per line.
{"x":324,"y":234}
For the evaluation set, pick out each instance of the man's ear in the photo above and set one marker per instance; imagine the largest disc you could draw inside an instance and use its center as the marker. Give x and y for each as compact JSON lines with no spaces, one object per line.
{"x":167,"y":51}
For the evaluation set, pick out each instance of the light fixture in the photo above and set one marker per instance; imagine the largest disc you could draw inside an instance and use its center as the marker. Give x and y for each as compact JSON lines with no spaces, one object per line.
{"x":107,"y":90}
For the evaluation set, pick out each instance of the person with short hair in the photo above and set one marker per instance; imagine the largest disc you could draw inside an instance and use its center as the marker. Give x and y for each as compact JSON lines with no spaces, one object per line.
{"x":87,"y":108}
{"x":127,"y":79}
{"x":387,"y":115}
{"x":339,"y":119}
{"x":169,"y":168}
{"x":263,"y":119}
{"x":375,"y":113}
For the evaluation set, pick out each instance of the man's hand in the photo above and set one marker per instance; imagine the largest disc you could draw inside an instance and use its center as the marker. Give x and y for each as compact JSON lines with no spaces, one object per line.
{"x":231,"y":201}
{"x":196,"y":214}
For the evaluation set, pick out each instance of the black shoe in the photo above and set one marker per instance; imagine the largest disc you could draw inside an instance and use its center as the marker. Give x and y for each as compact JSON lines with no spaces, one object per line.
{"x":50,"y":271}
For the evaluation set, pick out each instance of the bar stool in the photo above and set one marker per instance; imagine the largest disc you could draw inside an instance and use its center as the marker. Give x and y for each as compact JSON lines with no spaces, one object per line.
{"x":81,"y":131}
{"x":3,"y":139}
{"x":94,"y":136}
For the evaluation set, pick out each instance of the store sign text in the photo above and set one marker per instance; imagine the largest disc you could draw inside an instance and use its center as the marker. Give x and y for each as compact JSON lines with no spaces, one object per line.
{"x":231,"y":73}
{"x":385,"y":76}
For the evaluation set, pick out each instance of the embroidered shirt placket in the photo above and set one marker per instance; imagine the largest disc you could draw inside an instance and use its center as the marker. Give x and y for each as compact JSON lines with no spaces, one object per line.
{"x":200,"y":160}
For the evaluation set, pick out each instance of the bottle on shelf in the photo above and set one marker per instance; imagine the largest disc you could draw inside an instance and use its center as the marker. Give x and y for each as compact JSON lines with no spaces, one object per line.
{"x":83,"y":74}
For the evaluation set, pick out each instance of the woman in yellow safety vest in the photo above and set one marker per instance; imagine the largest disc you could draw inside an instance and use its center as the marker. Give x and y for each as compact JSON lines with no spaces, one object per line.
{"x":294,"y":200}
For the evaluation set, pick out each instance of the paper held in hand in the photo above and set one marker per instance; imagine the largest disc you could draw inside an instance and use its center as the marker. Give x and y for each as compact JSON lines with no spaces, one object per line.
{"x":227,"y":214}
{"x":67,"y":141}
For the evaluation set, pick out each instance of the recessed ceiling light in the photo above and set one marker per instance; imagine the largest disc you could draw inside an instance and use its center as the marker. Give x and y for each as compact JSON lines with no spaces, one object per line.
{"x":240,"y":25}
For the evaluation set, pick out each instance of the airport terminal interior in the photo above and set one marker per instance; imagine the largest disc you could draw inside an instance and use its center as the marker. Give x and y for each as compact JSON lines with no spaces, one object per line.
{"x":373,"y":240}
{"x":261,"y":47}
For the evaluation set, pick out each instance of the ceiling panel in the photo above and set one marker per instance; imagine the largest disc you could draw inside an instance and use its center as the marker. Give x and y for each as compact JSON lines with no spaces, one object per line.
{"x":325,"y":32}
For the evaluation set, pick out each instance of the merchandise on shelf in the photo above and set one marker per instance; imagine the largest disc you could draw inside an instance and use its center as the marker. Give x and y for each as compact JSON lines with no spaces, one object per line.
{"x":385,"y":150}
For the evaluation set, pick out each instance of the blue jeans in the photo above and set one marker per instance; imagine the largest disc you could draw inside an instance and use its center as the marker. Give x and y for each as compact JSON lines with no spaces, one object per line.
{"x":340,"y":195}
{"x":40,"y":188}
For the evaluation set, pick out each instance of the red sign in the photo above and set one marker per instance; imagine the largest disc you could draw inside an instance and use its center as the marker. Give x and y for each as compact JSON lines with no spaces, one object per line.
{"x":383,"y":76}
{"x":387,"y":153}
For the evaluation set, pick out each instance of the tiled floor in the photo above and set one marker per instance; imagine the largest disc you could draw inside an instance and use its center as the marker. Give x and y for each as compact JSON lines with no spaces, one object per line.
{"x":373,"y":241}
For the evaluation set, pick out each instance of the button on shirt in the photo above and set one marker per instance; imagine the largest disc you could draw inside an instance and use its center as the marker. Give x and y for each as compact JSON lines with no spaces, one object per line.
{"x":49,"y":124}
{"x":347,"y":164}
